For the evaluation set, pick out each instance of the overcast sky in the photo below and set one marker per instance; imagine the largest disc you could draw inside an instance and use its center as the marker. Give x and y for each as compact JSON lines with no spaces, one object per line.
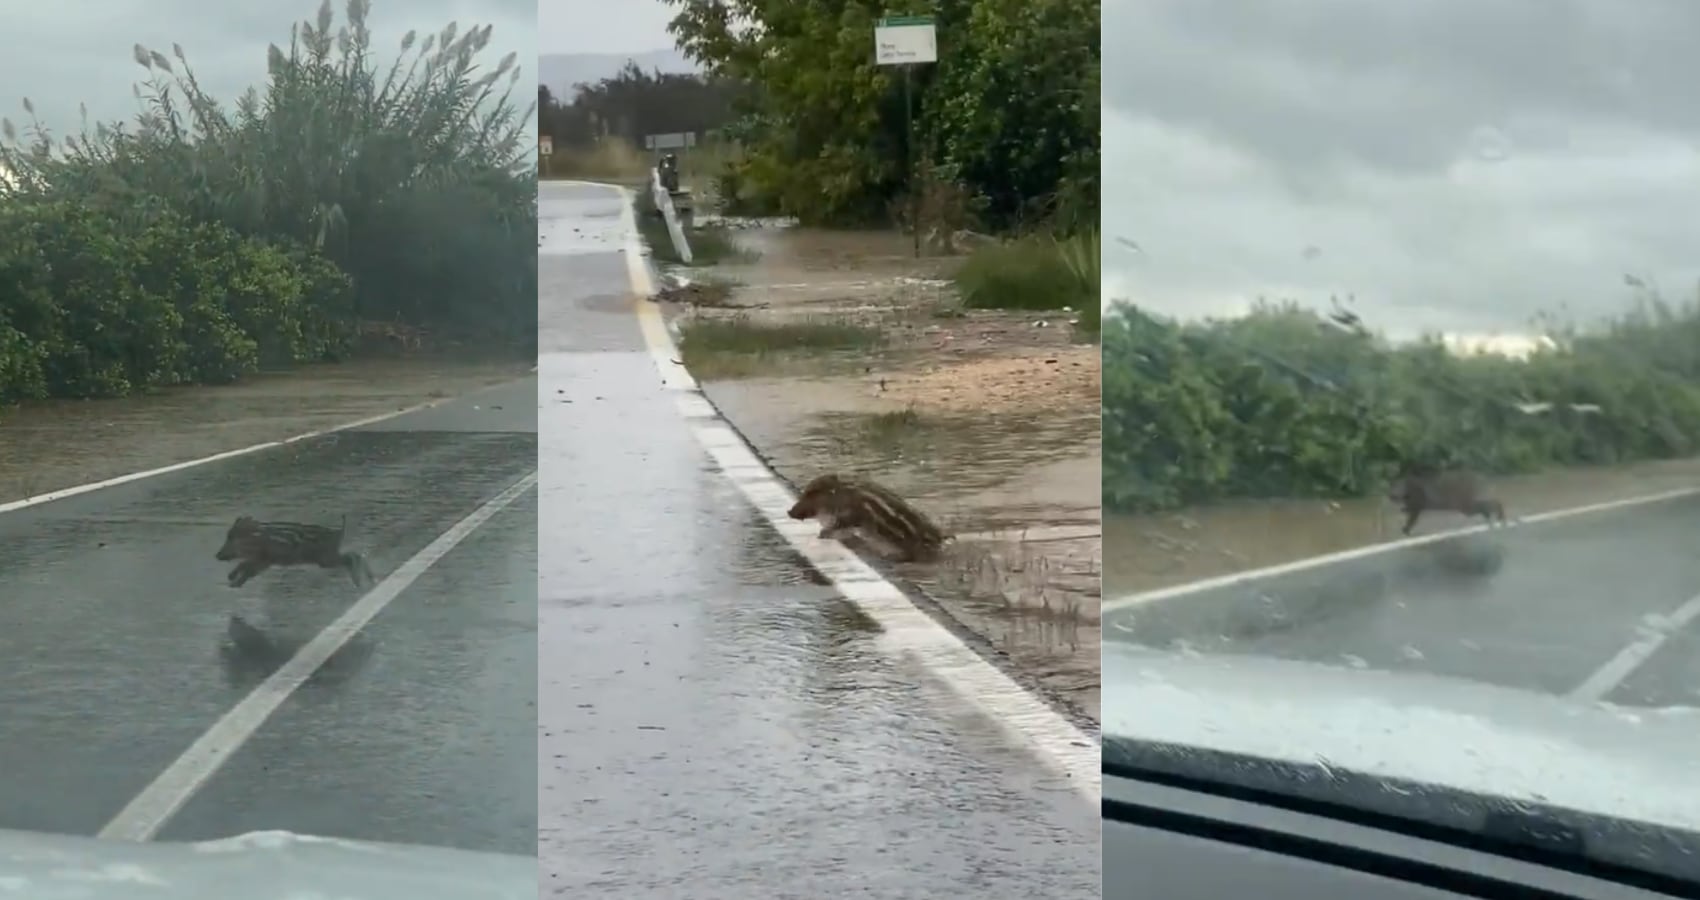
{"x":60,"y":54}
{"x":1456,"y":164}
{"x":602,"y":26}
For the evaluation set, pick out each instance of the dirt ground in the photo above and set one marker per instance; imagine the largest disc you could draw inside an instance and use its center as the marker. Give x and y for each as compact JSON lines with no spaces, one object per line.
{"x":986,"y":420}
{"x":1144,"y":553}
{"x":60,"y":444}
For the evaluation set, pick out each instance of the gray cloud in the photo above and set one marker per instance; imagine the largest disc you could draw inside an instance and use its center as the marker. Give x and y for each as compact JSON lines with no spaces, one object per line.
{"x":1459,"y":165}
{"x":60,"y":55}
{"x":603,"y":26}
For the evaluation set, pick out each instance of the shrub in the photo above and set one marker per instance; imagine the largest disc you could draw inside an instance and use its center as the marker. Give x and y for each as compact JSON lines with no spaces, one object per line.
{"x":195,"y":243}
{"x":1283,"y":403}
{"x":92,"y":307}
{"x":1038,"y":272}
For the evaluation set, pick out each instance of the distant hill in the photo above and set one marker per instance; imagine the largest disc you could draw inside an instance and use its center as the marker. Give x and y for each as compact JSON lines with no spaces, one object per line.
{"x":560,"y":71}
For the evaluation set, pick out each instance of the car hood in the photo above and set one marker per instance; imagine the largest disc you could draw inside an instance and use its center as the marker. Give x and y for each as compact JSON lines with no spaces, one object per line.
{"x":267,"y":865}
{"x":1623,"y":762}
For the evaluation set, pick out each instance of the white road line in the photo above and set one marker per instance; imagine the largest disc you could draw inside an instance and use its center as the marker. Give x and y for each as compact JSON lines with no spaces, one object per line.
{"x":908,"y":630}
{"x":92,"y":486}
{"x":1328,"y":559}
{"x":1618,"y":669}
{"x":142,"y":818}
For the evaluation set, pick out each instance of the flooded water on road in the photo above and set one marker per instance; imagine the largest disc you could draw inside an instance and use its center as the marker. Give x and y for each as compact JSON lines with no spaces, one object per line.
{"x":783,"y":249}
{"x":57,"y":444}
{"x":711,"y":707}
{"x":987,"y":420}
{"x":1148,"y":552}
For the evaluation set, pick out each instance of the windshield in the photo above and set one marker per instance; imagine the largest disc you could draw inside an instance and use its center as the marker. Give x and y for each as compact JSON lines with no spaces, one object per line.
{"x":267,"y":424}
{"x":1402,"y":395}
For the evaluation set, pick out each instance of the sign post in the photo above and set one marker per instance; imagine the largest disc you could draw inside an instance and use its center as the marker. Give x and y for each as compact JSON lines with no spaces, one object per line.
{"x":907,"y":41}
{"x":679,"y":140}
{"x":546,"y":148}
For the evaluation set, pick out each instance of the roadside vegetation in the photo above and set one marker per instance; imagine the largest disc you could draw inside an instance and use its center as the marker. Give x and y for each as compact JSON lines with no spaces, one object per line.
{"x":1041,"y":272}
{"x":798,"y":122}
{"x":731,"y":347}
{"x":598,"y":129}
{"x":199,"y":241}
{"x":1288,"y":403}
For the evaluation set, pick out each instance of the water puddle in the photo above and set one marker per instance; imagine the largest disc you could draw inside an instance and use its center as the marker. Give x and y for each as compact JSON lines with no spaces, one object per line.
{"x":792,"y":253}
{"x":58,"y":444}
{"x":987,"y":420}
{"x":1039,"y":604}
{"x":1153,"y":551}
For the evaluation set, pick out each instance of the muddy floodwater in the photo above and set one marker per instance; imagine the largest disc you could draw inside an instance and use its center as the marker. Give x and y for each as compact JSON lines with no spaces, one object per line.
{"x":986,"y":420}
{"x":62,"y":443}
{"x":1147,"y":552}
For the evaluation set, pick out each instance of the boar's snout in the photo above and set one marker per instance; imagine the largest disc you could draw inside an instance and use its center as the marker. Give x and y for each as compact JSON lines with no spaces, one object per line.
{"x":802,"y":509}
{"x":227,"y":552}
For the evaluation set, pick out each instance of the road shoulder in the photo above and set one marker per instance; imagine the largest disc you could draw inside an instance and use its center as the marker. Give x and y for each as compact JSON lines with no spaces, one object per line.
{"x":58,"y":445}
{"x":986,"y":420}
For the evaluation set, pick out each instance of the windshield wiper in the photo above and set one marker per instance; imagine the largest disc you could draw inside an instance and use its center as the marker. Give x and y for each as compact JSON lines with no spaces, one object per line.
{"x":1639,"y":854}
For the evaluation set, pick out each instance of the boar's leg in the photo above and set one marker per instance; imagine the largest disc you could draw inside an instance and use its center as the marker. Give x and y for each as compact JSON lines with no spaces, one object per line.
{"x":244,"y":571}
{"x":1412,"y":513}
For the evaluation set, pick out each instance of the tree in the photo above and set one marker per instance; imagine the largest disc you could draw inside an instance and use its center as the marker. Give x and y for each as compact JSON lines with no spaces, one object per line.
{"x":1010,"y":110}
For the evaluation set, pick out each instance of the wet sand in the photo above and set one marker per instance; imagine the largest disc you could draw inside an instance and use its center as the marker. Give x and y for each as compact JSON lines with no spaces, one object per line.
{"x":1147,"y":552}
{"x":59,"y":444}
{"x":987,"y":420}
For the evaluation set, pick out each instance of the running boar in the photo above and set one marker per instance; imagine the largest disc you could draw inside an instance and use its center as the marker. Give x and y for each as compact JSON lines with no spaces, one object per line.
{"x":1455,"y":491}
{"x":261,"y":545}
{"x":844,"y":505}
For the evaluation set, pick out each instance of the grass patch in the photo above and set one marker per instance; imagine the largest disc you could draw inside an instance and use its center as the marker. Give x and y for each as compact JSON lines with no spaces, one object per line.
{"x":611,"y":160}
{"x":932,"y":441}
{"x":715,"y":244}
{"x":892,"y":429}
{"x":618,"y":158}
{"x":1084,"y":255}
{"x":888,"y":437}
{"x":1038,"y":272}
{"x":739,"y":347}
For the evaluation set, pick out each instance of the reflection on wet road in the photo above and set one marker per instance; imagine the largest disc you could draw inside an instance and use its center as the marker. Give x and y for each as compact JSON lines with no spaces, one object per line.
{"x":121,"y":644}
{"x":714,"y":721}
{"x":1599,"y":606}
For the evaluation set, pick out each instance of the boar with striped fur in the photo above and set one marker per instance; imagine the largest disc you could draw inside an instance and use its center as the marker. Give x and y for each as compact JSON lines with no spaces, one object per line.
{"x":844,"y":505}
{"x":1452,"y":491}
{"x":261,"y":545}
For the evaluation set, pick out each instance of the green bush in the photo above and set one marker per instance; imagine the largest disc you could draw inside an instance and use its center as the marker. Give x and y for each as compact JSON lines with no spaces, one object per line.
{"x":1284,"y":403}
{"x":1038,"y":272}
{"x":91,"y":306}
{"x":1012,"y":106}
{"x":196,"y":243}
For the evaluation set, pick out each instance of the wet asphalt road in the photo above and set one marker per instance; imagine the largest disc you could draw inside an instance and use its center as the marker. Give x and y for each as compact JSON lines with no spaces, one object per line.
{"x":1573,"y":606}
{"x":118,"y":647}
{"x":713,"y":721}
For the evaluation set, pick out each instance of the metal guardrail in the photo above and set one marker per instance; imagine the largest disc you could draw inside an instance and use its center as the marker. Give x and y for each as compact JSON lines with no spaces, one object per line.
{"x":664,"y":202}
